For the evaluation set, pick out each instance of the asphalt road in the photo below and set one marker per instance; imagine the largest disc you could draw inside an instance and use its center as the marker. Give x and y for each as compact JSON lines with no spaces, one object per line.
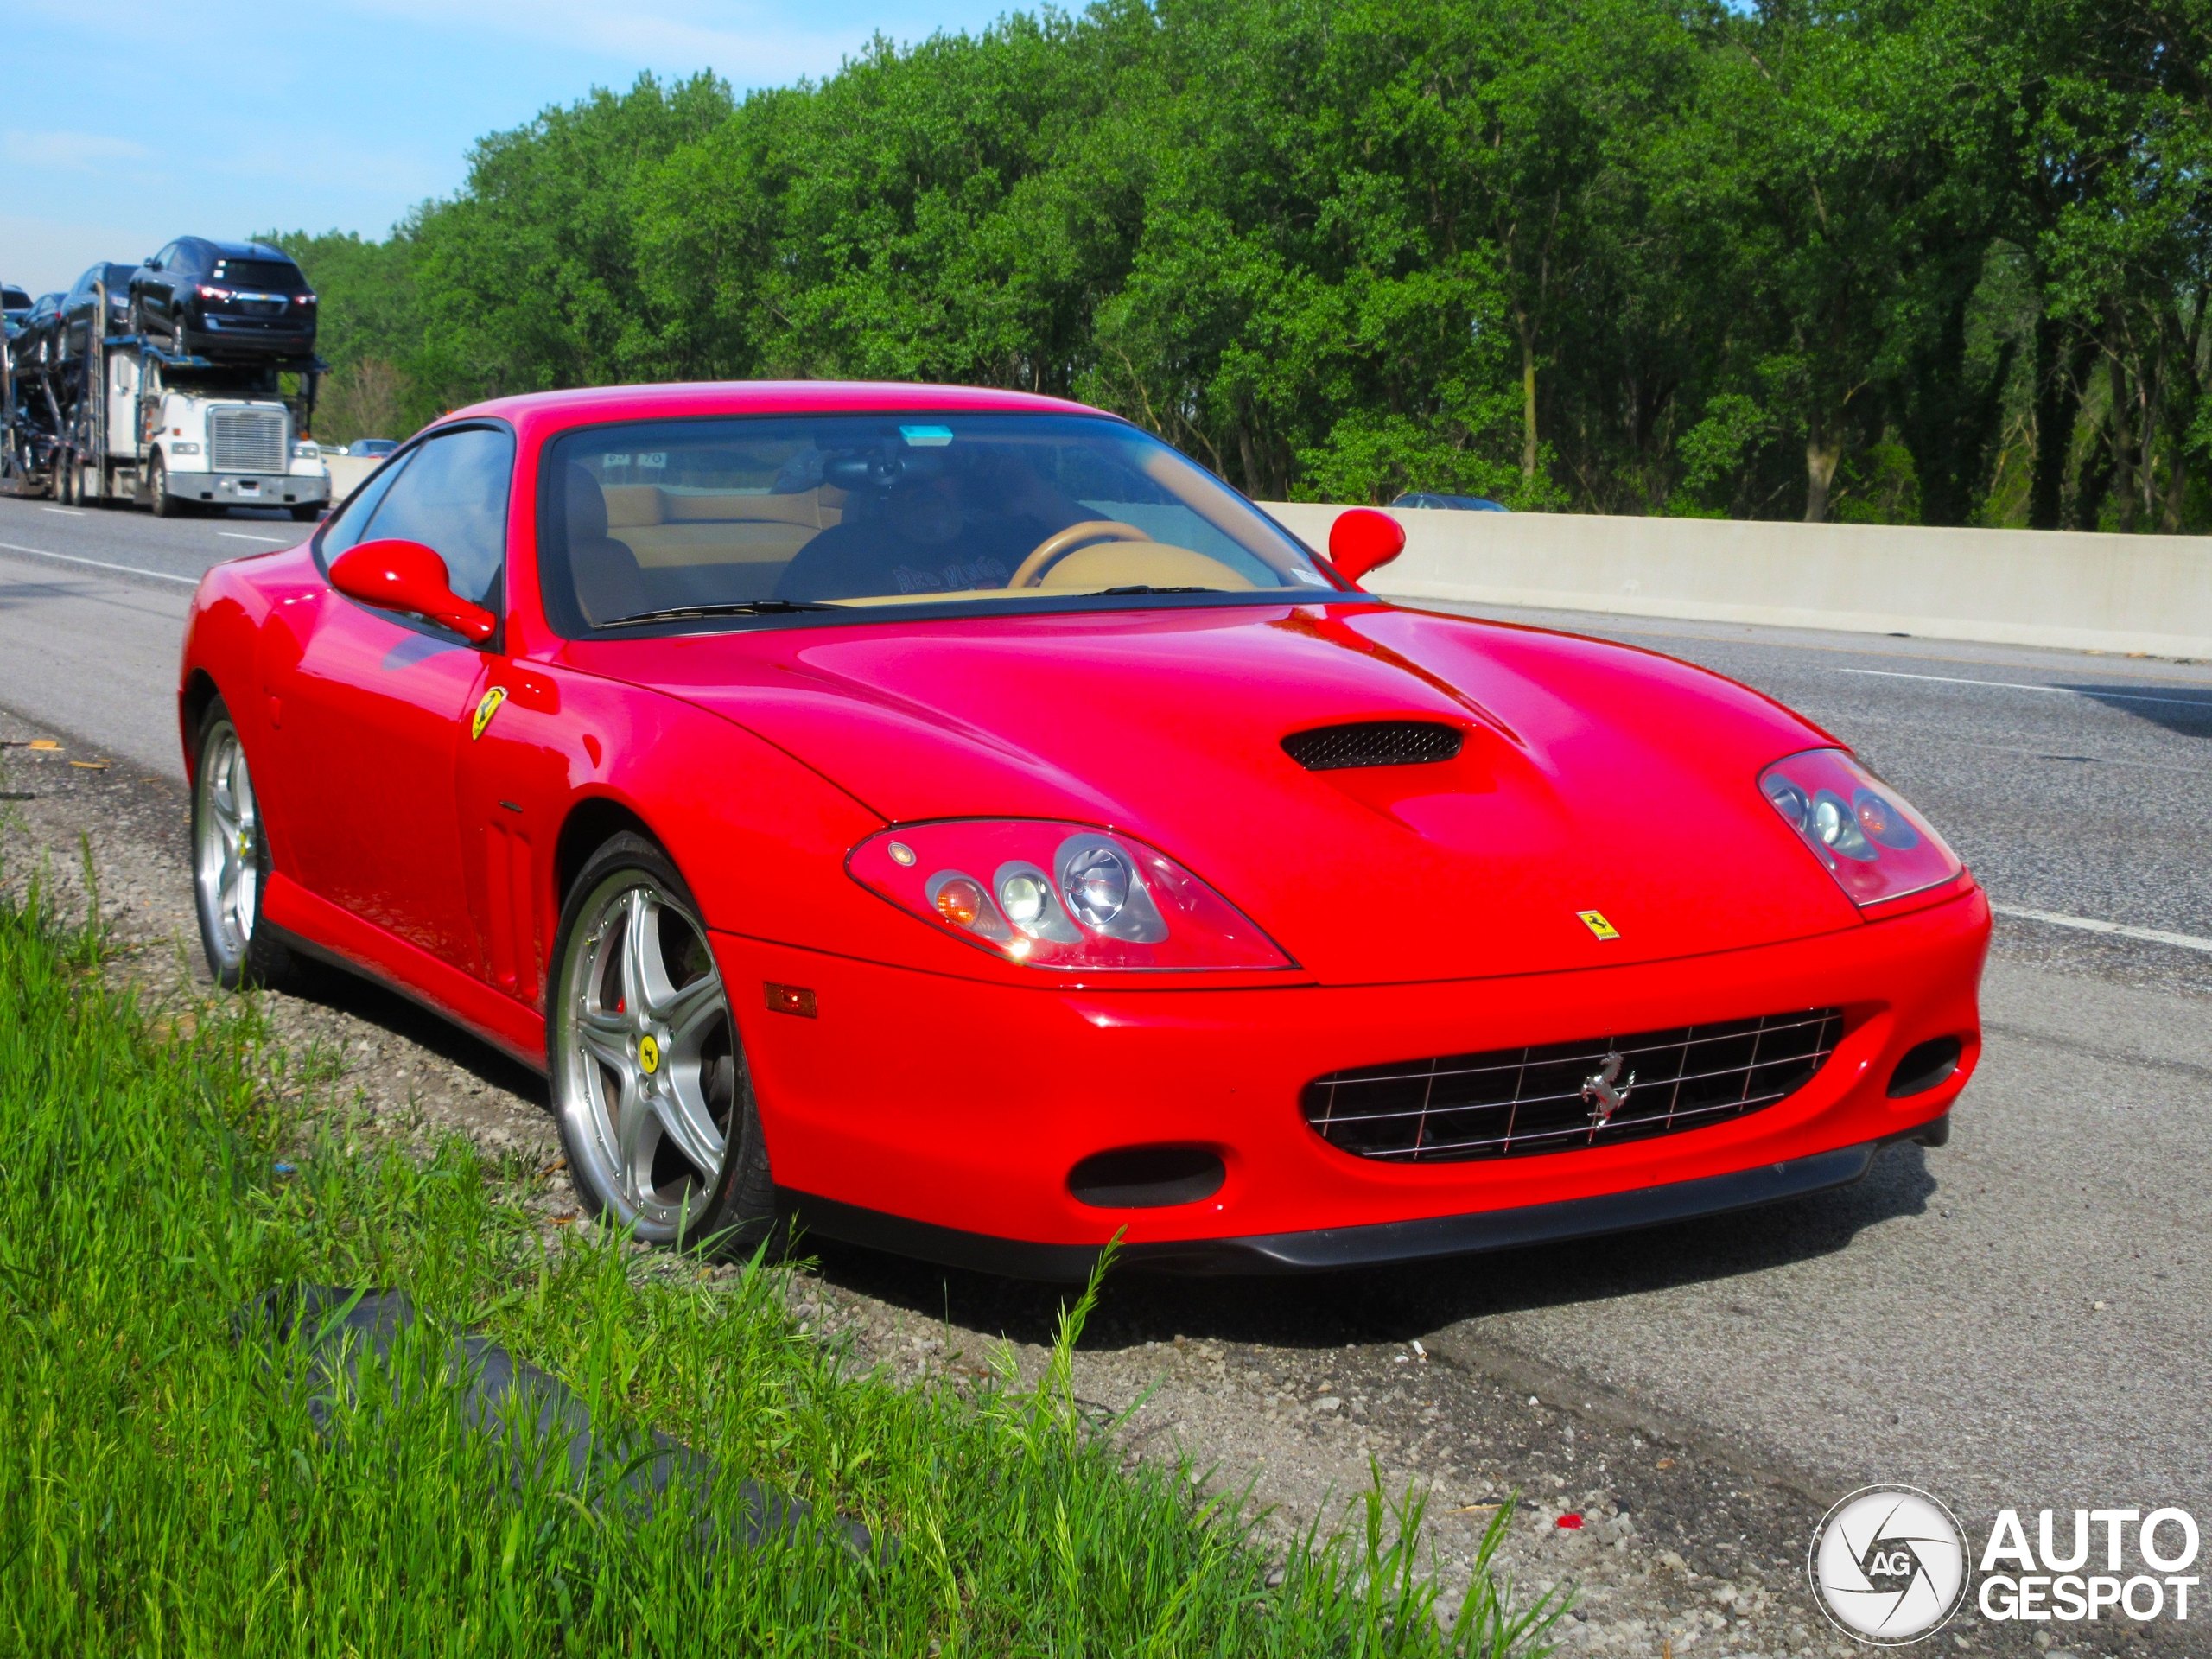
{"x":92,"y":608}
{"x":2018,"y":1319}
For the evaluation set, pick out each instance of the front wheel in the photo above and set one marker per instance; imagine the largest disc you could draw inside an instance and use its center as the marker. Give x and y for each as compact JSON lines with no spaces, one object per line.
{"x":650,"y":1083}
{"x":230,"y":861}
{"x":157,"y":483}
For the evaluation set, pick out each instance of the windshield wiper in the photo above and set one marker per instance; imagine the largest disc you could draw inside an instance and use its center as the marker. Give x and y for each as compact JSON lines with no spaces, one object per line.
{"x":742,"y":608}
{"x":1140,"y":588}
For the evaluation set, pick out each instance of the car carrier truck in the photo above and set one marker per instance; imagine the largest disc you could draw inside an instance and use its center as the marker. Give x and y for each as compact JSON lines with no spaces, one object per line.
{"x":121,"y":419}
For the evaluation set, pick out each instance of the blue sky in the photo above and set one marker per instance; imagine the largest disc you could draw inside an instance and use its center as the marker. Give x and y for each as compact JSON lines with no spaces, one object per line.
{"x":217,"y":121}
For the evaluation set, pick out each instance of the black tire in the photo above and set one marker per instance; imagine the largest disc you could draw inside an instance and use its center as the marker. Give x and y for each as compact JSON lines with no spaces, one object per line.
{"x":305,"y":512}
{"x":599,"y":1089}
{"x":230,"y":880}
{"x":157,"y":481}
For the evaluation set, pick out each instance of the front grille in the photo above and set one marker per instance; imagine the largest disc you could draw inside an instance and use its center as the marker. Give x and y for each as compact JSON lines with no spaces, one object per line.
{"x":246,"y":439}
{"x":1374,"y":743}
{"x":1518,"y":1102}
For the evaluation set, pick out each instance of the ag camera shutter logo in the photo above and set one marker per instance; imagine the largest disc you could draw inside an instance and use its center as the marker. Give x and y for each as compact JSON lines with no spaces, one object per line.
{"x":1889,"y":1565}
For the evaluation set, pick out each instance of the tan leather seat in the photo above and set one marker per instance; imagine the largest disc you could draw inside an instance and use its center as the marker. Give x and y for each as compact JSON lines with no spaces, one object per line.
{"x":1126,"y":564}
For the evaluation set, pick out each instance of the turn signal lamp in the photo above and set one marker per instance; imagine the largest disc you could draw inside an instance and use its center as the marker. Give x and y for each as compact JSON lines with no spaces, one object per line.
{"x":1864,"y":834}
{"x":1061,"y":896}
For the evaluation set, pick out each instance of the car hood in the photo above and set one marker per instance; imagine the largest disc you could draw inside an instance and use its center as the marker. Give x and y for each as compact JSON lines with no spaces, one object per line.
{"x":1594,"y":777}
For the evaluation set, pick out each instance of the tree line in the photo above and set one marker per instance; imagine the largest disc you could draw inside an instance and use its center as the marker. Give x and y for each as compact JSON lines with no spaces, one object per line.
{"x":1941,"y":262}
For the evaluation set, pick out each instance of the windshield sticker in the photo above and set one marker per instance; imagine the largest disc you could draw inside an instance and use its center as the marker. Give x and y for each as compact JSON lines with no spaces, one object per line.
{"x":926,"y":437}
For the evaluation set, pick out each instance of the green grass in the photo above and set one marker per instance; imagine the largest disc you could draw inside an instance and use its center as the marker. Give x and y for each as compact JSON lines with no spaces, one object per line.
{"x":165,"y":1489}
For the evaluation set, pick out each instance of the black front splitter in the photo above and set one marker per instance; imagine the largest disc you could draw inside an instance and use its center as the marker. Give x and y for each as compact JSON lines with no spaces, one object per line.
{"x":1332,"y":1248}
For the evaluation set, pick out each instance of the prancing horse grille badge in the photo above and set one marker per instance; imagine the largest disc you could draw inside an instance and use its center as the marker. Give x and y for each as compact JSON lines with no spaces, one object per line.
{"x":1604,"y":1093}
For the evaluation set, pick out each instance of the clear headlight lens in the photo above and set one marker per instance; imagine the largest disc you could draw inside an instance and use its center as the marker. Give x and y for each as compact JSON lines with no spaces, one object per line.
{"x":1096,"y":883}
{"x":1061,"y":896}
{"x":1863,"y":831}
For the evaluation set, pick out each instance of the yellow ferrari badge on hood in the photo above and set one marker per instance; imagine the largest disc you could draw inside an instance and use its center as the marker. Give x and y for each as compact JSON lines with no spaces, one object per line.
{"x":1596,"y":922}
{"x":484,"y":710}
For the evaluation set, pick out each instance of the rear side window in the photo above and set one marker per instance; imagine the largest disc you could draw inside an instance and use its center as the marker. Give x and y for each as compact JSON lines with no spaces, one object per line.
{"x":451,"y":495}
{"x":14,"y":299}
{"x":276,"y":276}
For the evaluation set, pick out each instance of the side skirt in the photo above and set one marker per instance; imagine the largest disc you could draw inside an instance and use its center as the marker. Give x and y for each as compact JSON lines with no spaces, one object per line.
{"x":321,"y":930}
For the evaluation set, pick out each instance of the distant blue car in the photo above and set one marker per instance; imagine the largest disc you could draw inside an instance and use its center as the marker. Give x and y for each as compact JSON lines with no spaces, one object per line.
{"x":1453,"y":503}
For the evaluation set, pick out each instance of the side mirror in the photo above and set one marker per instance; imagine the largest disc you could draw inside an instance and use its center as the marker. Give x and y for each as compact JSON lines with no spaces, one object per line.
{"x":398,"y":576}
{"x":1364,"y":539}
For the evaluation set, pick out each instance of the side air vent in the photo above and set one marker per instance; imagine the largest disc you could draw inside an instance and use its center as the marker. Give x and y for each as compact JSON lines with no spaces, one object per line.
{"x":1374,"y":743}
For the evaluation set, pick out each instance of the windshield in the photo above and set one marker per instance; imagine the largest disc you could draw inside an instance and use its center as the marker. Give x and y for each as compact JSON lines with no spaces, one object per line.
{"x":861,"y":512}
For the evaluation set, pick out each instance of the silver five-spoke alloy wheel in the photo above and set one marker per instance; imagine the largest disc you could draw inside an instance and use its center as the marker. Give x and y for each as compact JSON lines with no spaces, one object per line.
{"x":647,"y":1071}
{"x":227,"y":859}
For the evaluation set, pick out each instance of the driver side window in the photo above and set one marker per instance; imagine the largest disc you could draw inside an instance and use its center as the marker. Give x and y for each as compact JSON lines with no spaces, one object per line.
{"x":450,"y":494}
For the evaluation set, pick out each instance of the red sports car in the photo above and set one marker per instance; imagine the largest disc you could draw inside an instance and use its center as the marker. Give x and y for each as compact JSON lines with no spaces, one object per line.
{"x":955,"y":818}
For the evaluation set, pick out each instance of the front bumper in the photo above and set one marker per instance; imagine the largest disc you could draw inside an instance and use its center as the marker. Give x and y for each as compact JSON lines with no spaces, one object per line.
{"x":249,"y":489}
{"x":942,"y":1116}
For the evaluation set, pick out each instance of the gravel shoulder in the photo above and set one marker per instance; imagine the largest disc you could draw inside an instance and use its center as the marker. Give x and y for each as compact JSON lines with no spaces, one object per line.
{"x":1303,"y":1393}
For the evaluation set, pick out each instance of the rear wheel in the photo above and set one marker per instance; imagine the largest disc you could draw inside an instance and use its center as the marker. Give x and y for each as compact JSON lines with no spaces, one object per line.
{"x":230,"y":861}
{"x":305,"y":512}
{"x":650,"y":1083}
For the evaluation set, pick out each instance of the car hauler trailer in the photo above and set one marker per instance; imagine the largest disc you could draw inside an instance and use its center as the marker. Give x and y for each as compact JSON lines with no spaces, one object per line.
{"x":126,"y":419}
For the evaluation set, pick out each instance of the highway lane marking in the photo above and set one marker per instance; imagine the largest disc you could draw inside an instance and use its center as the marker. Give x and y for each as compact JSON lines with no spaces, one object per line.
{"x":240,"y":536}
{"x":66,"y":512}
{"x":2204,"y":703}
{"x":100,"y":564}
{"x":2155,"y":936}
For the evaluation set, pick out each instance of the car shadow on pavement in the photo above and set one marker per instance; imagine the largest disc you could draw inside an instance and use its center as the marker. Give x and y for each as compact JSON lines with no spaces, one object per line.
{"x":1397,"y":1304}
{"x":2179,"y":712}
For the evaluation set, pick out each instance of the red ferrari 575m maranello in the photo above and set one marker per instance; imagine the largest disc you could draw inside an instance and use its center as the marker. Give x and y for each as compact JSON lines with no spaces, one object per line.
{"x":957,"y":817}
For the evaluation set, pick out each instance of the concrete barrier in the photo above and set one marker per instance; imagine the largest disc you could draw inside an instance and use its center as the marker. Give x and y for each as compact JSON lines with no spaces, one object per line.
{"x":2080,"y":591}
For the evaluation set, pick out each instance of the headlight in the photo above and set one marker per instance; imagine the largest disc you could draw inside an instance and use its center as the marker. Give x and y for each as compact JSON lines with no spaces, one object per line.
{"x":1061,"y":896}
{"x":182,"y":448}
{"x":1874,"y":844}
{"x":305,"y":452}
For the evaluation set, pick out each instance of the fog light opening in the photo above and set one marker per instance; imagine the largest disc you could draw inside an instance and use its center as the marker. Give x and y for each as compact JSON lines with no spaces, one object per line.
{"x":1146,"y":1178}
{"x":1925,"y":1067}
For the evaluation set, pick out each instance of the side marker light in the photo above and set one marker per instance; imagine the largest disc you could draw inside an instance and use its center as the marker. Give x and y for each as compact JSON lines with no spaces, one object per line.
{"x":790,"y":999}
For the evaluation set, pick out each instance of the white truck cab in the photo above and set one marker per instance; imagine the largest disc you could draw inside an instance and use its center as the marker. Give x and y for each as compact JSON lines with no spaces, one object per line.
{"x":198,"y":447}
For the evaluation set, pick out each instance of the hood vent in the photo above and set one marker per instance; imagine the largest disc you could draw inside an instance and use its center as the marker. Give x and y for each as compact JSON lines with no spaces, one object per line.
{"x":1374,"y":743}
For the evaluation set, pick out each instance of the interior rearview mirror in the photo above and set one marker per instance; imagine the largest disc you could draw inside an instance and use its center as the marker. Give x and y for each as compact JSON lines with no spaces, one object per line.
{"x":1364,"y":539}
{"x":399,"y":575}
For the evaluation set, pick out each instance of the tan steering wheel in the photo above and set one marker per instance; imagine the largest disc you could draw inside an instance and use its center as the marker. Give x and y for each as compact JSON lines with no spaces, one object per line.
{"x":1061,"y":542}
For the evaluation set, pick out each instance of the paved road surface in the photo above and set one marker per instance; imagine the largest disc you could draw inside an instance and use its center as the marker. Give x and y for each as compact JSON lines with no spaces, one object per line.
{"x":1940,"y":1323}
{"x":91,"y":601}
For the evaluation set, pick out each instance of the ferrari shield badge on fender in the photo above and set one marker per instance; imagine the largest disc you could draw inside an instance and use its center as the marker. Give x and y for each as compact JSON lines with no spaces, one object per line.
{"x":1593,"y":920}
{"x":488,"y":707}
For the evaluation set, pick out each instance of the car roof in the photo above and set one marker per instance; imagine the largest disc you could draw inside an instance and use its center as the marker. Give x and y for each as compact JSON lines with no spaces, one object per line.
{"x":588,"y":405}
{"x":238,"y":250}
